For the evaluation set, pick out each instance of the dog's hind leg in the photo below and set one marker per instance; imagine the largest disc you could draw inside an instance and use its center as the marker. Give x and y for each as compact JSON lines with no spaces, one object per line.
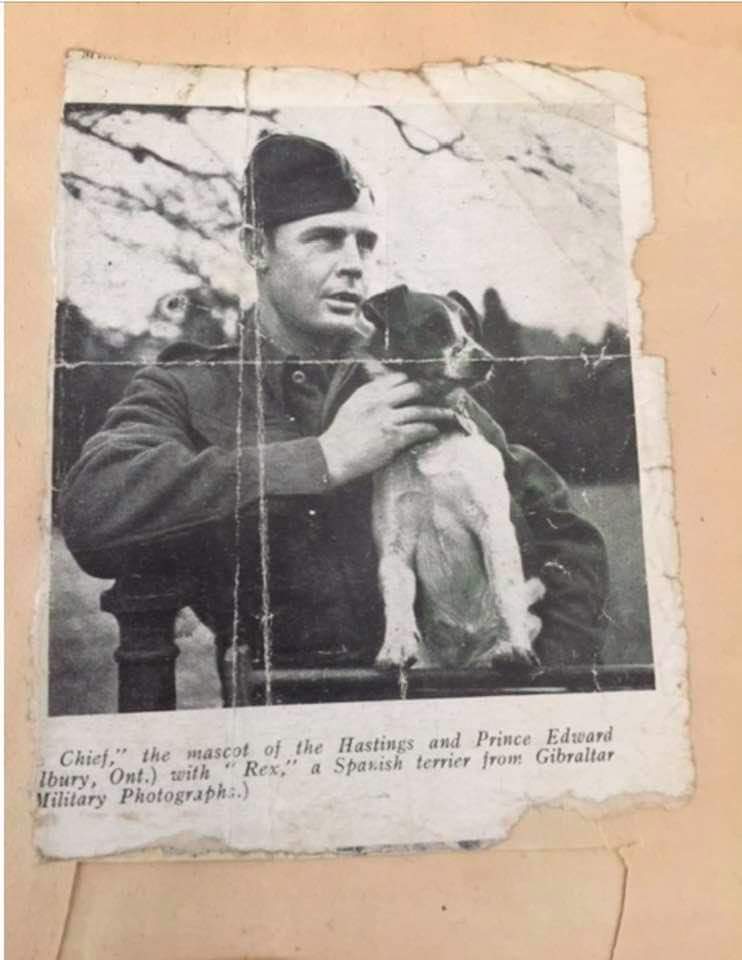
{"x":511,"y":594}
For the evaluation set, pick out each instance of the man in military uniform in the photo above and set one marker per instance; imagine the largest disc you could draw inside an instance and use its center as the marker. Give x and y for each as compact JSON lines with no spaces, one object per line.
{"x":245,"y":471}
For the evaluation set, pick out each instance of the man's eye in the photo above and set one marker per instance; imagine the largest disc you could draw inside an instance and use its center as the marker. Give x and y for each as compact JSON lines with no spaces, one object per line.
{"x":437,"y":325}
{"x":366,"y":242}
{"x":325,"y":240}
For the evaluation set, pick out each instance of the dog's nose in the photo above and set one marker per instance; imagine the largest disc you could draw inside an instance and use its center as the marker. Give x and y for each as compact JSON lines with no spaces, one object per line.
{"x":475,"y":354}
{"x":478,"y":353}
{"x":469,"y":362}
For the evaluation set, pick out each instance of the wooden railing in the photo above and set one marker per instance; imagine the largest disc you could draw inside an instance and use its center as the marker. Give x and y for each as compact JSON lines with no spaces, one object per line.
{"x":147,"y":653}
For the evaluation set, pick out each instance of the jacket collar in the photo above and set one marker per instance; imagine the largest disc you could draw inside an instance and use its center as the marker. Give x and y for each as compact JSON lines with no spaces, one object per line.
{"x":258,"y":350}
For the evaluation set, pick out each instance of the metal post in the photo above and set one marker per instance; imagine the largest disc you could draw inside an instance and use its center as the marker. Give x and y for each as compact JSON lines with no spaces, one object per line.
{"x":147,"y":650}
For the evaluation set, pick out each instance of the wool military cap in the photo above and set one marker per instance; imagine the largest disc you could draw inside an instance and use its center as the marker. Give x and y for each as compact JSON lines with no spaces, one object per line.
{"x":291,"y":177}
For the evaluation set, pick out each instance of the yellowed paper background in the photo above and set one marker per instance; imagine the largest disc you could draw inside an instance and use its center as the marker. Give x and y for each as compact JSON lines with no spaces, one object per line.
{"x":652,"y":882}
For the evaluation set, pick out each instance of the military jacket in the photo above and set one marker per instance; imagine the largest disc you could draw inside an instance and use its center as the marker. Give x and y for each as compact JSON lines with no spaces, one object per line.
{"x":209,"y":471}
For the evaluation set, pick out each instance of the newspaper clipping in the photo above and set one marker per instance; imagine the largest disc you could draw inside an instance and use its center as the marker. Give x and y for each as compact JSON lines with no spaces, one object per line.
{"x":360,"y":533}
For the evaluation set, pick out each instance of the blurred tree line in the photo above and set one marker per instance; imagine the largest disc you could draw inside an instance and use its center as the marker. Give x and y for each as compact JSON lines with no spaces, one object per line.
{"x":569,"y":400}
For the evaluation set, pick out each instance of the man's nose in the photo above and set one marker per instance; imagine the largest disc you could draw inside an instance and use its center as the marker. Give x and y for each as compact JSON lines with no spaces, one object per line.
{"x":350,"y":262}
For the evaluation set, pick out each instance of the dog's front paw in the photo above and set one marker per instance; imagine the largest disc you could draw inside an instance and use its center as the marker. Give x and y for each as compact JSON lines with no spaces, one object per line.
{"x":534,"y":591}
{"x":399,"y":650}
{"x":509,"y":656}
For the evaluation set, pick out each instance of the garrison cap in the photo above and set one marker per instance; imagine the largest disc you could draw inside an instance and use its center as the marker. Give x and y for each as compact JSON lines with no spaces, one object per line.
{"x":291,"y":177}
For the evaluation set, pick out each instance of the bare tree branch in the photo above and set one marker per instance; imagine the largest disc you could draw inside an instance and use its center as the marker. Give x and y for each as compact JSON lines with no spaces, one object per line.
{"x":439,"y":146}
{"x":140,"y":153}
{"x":270,"y":115}
{"x":189,"y":266}
{"x":123,"y":199}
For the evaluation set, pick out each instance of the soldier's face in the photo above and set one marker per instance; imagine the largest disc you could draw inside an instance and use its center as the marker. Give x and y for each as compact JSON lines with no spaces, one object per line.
{"x":315,"y":274}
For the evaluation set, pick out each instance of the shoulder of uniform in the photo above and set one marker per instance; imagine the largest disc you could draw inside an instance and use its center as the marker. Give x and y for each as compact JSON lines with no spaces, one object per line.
{"x":530,"y":460}
{"x":185,"y":350}
{"x":538,"y":476}
{"x":523,"y":454}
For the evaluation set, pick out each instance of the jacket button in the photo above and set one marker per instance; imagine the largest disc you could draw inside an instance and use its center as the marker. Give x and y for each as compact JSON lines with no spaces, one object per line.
{"x":299,"y":377}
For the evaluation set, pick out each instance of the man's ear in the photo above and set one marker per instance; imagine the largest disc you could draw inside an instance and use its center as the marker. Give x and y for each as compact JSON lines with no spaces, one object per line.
{"x":254,"y":245}
{"x":469,"y":310}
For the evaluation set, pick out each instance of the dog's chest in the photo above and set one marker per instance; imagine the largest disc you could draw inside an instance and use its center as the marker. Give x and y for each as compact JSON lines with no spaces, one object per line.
{"x":465,"y":503}
{"x":457,"y":481}
{"x":461,"y":468}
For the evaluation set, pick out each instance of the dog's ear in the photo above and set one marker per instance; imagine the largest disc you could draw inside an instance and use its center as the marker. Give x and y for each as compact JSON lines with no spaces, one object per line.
{"x":388,"y":309}
{"x":388,"y":312}
{"x":474,"y":317}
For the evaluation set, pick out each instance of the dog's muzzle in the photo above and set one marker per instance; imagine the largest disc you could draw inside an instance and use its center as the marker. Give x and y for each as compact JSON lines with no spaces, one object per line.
{"x":468,"y":363}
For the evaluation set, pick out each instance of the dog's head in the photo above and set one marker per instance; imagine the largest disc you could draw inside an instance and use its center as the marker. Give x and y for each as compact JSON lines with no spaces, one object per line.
{"x":440,"y":332}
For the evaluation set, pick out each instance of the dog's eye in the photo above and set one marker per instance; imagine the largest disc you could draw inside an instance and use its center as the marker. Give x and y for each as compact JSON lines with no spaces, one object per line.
{"x":469,"y":326}
{"x":438,"y":325}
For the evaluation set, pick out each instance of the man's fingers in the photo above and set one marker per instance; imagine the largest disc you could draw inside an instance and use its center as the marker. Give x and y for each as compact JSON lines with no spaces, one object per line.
{"x":409,"y":434}
{"x":382,"y":387}
{"x":417,"y":413}
{"x":393,"y":389}
{"x":403,"y":392}
{"x":389,"y":380}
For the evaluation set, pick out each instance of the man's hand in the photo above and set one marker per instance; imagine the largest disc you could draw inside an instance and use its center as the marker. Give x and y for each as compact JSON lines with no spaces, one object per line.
{"x":379,"y":421}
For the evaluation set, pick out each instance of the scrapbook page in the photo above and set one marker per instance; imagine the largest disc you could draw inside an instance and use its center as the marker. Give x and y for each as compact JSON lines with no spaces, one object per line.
{"x":361,"y":488}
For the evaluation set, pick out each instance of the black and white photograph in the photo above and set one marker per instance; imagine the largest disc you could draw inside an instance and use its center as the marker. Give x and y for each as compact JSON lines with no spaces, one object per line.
{"x":359,"y":476}
{"x":343,"y":408}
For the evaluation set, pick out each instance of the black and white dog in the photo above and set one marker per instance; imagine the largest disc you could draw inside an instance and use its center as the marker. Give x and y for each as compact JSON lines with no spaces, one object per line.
{"x":450,"y":568}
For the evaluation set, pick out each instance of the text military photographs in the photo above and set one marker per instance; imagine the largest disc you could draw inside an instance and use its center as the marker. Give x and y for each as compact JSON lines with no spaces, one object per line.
{"x":343,"y":410}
